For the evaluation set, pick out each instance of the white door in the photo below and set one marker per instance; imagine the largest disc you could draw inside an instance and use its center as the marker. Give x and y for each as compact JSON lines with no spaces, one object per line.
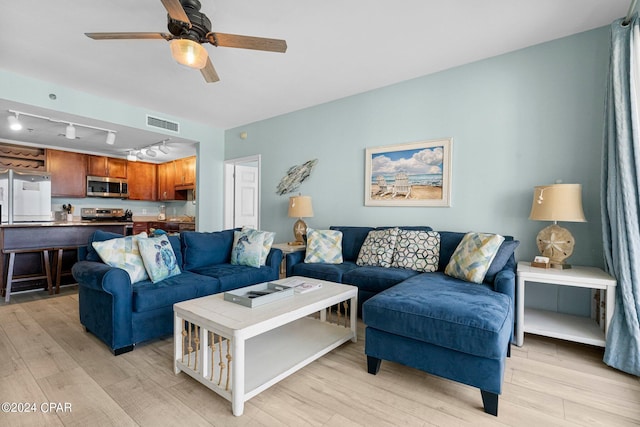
{"x":246,"y":196}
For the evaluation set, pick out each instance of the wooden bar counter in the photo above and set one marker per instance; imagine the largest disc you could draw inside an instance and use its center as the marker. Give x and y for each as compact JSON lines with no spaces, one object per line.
{"x":68,"y":235}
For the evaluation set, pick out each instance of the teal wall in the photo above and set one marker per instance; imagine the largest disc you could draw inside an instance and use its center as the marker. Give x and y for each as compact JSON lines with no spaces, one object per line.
{"x":522,"y":119}
{"x":211,"y":140}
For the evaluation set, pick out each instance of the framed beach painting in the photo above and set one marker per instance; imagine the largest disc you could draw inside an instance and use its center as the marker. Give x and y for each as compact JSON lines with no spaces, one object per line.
{"x":412,"y":174}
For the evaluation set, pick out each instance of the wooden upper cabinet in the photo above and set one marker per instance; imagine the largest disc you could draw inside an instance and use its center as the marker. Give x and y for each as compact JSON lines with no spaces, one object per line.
{"x":166,"y":178}
{"x":68,"y":173}
{"x":106,"y":166}
{"x":185,"y":170}
{"x":143,"y":181}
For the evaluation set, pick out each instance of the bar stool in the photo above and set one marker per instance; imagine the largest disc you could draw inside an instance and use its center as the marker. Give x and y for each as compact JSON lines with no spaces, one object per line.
{"x":59,"y":251}
{"x":11,"y":278}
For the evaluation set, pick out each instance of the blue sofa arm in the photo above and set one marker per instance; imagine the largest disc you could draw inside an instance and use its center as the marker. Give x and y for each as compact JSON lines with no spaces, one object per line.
{"x":106,"y":303}
{"x":292,"y":259}
{"x":274,"y":259}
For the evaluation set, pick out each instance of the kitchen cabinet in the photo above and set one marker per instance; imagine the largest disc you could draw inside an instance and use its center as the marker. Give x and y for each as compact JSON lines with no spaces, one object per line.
{"x":143,"y":181}
{"x":172,"y":226}
{"x":106,"y":166}
{"x":166,"y":185}
{"x":140,"y":226}
{"x":185,"y":172}
{"x":68,"y":173}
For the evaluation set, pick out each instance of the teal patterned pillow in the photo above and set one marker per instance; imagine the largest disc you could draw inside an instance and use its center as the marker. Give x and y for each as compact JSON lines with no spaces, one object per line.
{"x":269,"y":236}
{"x":378,"y":248}
{"x":417,"y":250}
{"x":472,"y":258}
{"x":247,"y":248}
{"x":324,"y":246}
{"x":123,"y":253}
{"x":158,"y":257}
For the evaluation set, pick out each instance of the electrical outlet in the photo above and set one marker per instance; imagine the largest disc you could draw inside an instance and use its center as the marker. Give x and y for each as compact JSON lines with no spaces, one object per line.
{"x":144,"y":211}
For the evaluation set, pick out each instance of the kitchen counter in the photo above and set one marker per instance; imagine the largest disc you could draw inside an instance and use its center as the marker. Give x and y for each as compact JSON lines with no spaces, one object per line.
{"x":65,"y":224}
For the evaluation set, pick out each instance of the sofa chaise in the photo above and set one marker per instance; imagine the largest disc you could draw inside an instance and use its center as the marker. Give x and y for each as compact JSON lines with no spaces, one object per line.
{"x":430,"y":321}
{"x":122,"y":314}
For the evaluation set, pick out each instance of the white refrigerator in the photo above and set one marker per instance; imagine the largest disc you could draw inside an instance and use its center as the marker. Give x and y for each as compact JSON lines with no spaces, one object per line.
{"x":25,"y":196}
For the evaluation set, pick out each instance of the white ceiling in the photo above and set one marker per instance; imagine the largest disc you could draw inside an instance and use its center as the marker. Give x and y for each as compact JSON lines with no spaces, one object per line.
{"x":336,"y":48}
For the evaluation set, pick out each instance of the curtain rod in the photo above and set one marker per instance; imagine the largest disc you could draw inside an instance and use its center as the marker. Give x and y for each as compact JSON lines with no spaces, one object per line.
{"x":632,"y":7}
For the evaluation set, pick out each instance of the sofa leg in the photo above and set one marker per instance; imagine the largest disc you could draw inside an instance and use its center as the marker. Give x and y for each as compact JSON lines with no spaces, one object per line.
{"x":509,"y":349}
{"x":490,"y":402}
{"x":373,"y":365}
{"x":119,"y":351}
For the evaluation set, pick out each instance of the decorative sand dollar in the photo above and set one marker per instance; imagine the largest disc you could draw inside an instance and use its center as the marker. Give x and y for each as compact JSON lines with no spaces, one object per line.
{"x":556,"y":243}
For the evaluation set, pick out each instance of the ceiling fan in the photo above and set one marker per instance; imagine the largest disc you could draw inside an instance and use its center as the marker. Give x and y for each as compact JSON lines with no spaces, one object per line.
{"x":188,"y":29}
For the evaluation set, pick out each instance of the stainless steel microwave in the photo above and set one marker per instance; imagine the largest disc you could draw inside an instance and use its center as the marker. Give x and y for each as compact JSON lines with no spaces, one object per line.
{"x":100,"y":186}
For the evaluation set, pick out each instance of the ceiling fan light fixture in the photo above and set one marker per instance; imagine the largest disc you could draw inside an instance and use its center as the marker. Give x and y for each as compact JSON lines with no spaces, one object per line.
{"x":188,"y":52}
{"x":111,"y":138}
{"x":70,"y":132}
{"x":14,"y":122}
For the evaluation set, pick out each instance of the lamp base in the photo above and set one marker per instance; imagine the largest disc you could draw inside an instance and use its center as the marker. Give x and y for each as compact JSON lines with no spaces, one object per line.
{"x":299,"y":230}
{"x":556,"y":243}
{"x":561,"y":266}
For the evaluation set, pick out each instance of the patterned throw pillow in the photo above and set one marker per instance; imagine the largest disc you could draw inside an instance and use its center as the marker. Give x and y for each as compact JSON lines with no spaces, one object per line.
{"x":123,"y":253}
{"x":158,"y":257}
{"x":247,"y":248}
{"x":417,"y":250}
{"x":266,"y":246}
{"x":324,"y":246}
{"x":378,"y":247}
{"x":472,"y":258}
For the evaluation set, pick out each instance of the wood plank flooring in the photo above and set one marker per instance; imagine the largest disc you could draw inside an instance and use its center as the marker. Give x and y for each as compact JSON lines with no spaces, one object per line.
{"x":46,"y":356}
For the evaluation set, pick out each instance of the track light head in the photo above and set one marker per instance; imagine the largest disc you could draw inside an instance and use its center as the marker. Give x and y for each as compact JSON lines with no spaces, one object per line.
{"x":14,"y":123}
{"x":163,"y":148}
{"x":139,"y":155}
{"x":111,"y":138}
{"x":70,"y":133}
{"x":150,"y":152}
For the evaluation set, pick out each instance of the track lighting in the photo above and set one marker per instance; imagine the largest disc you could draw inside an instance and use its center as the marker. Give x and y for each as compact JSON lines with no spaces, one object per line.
{"x":14,"y":122}
{"x":131,"y":157}
{"x":139,"y":155}
{"x":70,"y":133}
{"x":70,"y":130}
{"x":163,"y":148}
{"x":150,"y":152}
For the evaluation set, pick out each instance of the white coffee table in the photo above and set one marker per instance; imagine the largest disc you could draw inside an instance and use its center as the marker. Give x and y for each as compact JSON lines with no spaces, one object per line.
{"x":238,"y":351}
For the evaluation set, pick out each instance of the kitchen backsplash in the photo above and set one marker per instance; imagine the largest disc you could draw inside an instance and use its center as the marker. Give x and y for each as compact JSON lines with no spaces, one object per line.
{"x":138,"y":208}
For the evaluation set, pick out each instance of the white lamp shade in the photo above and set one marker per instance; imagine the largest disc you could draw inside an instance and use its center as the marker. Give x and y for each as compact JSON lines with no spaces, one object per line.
{"x":557,"y":202}
{"x":300,"y":207}
{"x":189,"y":53}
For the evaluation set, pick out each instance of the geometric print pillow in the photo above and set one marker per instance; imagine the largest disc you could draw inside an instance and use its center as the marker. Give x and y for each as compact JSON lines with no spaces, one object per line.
{"x":472,"y":258}
{"x":378,"y":247}
{"x":323,"y":246}
{"x":123,"y":253}
{"x":417,"y":250}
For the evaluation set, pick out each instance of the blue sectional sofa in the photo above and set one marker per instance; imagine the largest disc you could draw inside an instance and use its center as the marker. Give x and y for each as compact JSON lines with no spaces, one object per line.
{"x":429,"y":320}
{"x":122,"y":314}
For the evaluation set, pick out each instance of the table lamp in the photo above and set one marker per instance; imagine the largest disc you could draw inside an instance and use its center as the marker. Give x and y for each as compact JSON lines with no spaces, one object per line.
{"x":300,"y":207}
{"x":557,"y":202}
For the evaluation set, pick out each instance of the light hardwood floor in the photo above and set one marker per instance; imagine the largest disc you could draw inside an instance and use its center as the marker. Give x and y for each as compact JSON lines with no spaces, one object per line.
{"x":46,"y":356}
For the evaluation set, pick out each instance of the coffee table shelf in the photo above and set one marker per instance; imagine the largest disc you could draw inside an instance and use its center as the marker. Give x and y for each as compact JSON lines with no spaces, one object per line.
{"x":238,"y":351}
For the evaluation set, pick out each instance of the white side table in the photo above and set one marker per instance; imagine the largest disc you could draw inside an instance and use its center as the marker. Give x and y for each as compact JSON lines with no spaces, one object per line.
{"x":287,"y":249}
{"x":557,"y":325}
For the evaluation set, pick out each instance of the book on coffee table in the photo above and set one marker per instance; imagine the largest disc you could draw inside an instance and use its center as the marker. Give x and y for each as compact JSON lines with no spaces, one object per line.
{"x":301,"y":286}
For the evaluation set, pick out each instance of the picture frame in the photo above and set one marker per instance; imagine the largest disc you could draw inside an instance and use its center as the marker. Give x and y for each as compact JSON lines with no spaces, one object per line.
{"x":409,"y":174}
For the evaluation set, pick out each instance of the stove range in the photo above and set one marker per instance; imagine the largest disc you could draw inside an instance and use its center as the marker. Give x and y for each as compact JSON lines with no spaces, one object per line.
{"x":105,"y":214}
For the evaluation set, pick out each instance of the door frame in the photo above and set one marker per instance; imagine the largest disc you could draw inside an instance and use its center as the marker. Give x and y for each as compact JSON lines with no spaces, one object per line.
{"x":229,"y":187}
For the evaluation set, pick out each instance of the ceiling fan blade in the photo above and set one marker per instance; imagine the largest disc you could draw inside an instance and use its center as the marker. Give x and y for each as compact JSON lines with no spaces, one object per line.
{"x":247,"y":42}
{"x":125,"y":36}
{"x":176,"y":11}
{"x":209,"y":72}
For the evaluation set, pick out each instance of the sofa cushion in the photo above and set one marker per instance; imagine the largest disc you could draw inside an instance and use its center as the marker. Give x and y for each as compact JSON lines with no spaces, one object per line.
{"x":507,"y":248}
{"x":123,"y":252}
{"x":150,"y":296}
{"x":323,"y":246}
{"x":417,"y":250}
{"x":321,"y":271}
{"x":247,"y":248}
{"x":201,"y":249}
{"x":473,"y":256}
{"x":98,"y":236}
{"x":448,"y":243}
{"x":444,"y":311}
{"x":376,"y":279}
{"x":177,"y":250}
{"x":352,"y":240}
{"x":269,"y":237}
{"x":158,"y":257}
{"x":378,"y":248}
{"x":236,"y":276}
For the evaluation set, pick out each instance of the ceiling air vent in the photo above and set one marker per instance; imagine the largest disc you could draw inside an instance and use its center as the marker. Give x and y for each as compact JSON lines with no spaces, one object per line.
{"x":162,"y":124}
